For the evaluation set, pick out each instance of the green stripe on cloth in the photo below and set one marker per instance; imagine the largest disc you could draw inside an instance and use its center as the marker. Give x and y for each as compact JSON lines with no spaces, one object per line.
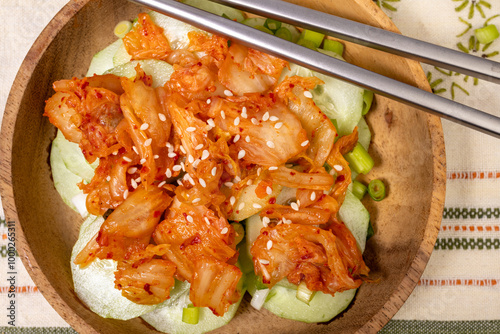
{"x":465,"y":243}
{"x":429,"y":327}
{"x":37,"y":330}
{"x":471,"y":213}
{"x":4,"y":251}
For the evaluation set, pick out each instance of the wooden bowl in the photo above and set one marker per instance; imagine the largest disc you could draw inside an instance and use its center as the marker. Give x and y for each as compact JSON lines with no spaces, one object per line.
{"x":407,"y":147}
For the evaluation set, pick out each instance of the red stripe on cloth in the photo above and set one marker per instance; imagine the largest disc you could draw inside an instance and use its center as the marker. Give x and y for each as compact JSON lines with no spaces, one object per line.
{"x":459,"y":282}
{"x":19,"y":289}
{"x":473,"y":175}
{"x":471,"y":228}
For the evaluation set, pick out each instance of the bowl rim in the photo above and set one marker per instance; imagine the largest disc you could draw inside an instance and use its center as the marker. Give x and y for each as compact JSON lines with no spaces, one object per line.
{"x":378,"y":320}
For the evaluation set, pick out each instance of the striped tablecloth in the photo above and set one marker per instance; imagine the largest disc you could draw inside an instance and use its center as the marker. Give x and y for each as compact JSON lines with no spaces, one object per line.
{"x":459,"y":291}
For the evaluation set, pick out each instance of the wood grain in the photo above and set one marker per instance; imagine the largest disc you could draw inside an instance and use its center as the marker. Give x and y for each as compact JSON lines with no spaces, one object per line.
{"x":407,"y":146}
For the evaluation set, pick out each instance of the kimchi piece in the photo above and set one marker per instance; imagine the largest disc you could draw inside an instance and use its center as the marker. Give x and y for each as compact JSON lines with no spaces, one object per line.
{"x":217,"y":141}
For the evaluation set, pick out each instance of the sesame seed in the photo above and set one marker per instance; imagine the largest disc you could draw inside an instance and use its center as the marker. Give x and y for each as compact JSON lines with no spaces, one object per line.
{"x":168,"y":173}
{"x":172,"y":155}
{"x":199,"y":147}
{"x":236,"y":121}
{"x":222,"y":114}
{"x":143,"y":161}
{"x":269,"y":190}
{"x":205,"y":155}
{"x":257,"y":206}
{"x":241,"y":154}
{"x":162,"y":183}
{"x":269,"y":244}
{"x":206,"y":220}
{"x":127,"y":159}
{"x":270,"y":144}
{"x":255,"y":121}
{"x":338,"y":168}
{"x":214,"y":171}
{"x":125,"y":194}
{"x":209,"y":101}
{"x":189,"y":218}
{"x":228,"y":184}
{"x":236,"y":138}
{"x":278,"y":125}
{"x":132,"y":170}
{"x":162,"y":117}
{"x":176,"y":168}
{"x":263,"y":261}
{"x":148,"y":142}
{"x":308,"y":94}
{"x":247,"y":139}
{"x":266,"y":221}
{"x":144,"y":126}
{"x":273,"y":118}
{"x":273,"y":168}
{"x":138,"y":180}
{"x":169,"y":145}
{"x":133,"y":184}
{"x":332,"y":172}
{"x":294,"y":206}
{"x":304,"y":143}
{"x":288,"y":221}
{"x":191,"y":129}
{"x":179,"y":182}
{"x":237,"y":178}
{"x":135,"y":149}
{"x":227,"y":92}
{"x":196,"y":200}
{"x":108,"y":178}
{"x":202,"y":182}
{"x":313,"y":196}
{"x":156,"y":156}
{"x":244,"y":113}
{"x":232,"y":200}
{"x":244,"y":109}
{"x":190,"y":179}
{"x":266,"y":116}
{"x":241,"y":206}
{"x":211,"y":122}
{"x":190,"y":159}
{"x":183,"y":150}
{"x":249,"y":182}
{"x":115,"y":152}
{"x":224,"y":230}
{"x":298,"y":202}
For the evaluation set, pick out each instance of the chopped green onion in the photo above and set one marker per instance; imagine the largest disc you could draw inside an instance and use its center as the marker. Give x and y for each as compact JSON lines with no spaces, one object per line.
{"x":259,"y":298}
{"x":367,"y":101}
{"x":284,"y":33}
{"x":312,"y":36}
{"x":303,"y":293}
{"x":307,"y":44}
{"x":240,"y":232}
{"x":334,"y":46}
{"x":122,"y":28}
{"x":487,"y":34}
{"x":359,"y":189}
{"x":272,"y":24}
{"x":264,"y":29}
{"x":376,"y":189}
{"x":370,"y":232}
{"x":359,"y":160}
{"x":191,"y":315}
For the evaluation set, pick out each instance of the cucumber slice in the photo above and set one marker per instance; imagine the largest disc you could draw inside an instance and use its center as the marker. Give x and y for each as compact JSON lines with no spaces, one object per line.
{"x":249,"y":199}
{"x":74,"y":159}
{"x":121,"y":56}
{"x":215,"y":8}
{"x":254,"y":21}
{"x":339,"y":100}
{"x":65,"y":181}
{"x":103,"y":60}
{"x":95,"y":285}
{"x":355,"y":216}
{"x":158,"y":69}
{"x":168,"y":317}
{"x":364,"y":134}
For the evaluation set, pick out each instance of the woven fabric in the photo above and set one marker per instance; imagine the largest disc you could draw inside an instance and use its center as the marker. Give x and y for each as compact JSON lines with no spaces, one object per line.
{"x":459,"y":291}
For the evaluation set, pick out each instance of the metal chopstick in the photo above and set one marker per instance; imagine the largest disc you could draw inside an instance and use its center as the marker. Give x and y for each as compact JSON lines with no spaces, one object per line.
{"x":371,"y":36}
{"x":316,"y":61}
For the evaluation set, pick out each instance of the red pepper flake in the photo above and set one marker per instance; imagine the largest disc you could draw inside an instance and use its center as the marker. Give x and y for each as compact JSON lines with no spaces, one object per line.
{"x":292,"y":173}
{"x":265,"y":233}
{"x":272,"y":200}
{"x":147,"y":288}
{"x":306,"y":256}
{"x":156,"y":214}
{"x":98,"y":95}
{"x":196,"y":240}
{"x":340,"y":178}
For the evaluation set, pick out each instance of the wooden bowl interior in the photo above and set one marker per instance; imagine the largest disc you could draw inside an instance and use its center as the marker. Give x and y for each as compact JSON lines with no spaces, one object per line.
{"x":407,"y":146}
